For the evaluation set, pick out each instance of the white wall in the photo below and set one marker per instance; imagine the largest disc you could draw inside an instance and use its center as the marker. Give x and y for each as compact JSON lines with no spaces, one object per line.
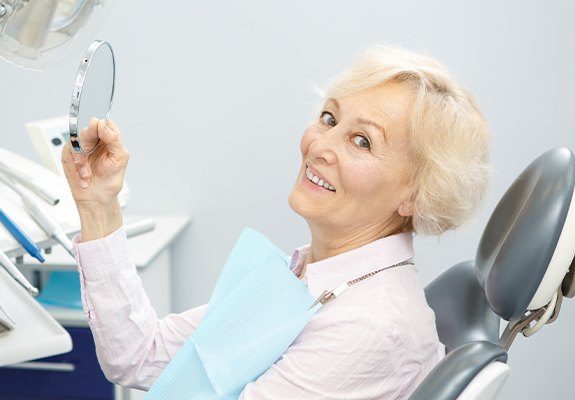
{"x":212,"y":100}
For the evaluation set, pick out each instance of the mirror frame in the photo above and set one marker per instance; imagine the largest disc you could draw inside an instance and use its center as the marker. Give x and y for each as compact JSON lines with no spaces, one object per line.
{"x":78,"y":87}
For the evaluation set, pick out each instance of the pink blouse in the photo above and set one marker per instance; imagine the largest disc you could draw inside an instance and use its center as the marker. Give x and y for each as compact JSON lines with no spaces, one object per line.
{"x":378,"y":340}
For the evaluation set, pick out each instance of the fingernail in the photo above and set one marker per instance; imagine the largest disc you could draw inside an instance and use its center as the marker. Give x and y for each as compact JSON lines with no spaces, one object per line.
{"x":83,"y":172}
{"x":83,"y":184}
{"x":76,"y":158}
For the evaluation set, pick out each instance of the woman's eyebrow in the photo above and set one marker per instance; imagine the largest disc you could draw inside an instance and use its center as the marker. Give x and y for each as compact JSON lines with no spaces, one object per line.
{"x":334,"y":101}
{"x":381,"y":128}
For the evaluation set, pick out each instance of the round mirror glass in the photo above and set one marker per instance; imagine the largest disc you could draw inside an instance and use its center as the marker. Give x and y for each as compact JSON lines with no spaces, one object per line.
{"x":92,"y":95}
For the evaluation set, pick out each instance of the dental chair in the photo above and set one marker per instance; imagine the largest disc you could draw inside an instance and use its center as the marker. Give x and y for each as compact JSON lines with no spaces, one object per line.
{"x":523,"y":268}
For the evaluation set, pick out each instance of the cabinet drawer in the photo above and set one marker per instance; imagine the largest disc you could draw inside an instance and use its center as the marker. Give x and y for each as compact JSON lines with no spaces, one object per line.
{"x":74,"y":375}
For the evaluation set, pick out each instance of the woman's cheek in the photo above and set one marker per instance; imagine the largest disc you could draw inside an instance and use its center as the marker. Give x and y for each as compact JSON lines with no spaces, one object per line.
{"x":364,"y":177}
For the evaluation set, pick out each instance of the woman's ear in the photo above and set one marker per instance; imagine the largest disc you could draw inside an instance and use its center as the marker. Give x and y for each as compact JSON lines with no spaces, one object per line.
{"x":406,"y":209}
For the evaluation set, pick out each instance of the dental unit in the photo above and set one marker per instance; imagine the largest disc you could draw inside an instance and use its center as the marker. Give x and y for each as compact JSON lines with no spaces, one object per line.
{"x":16,"y":274}
{"x":44,"y":221}
{"x":30,"y":183}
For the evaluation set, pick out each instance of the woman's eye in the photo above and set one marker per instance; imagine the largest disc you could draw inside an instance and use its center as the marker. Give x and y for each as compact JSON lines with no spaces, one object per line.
{"x":361,"y":141}
{"x":328,"y":118}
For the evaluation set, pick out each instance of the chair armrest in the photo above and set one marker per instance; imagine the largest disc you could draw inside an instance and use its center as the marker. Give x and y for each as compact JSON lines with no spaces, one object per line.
{"x":454,"y":372}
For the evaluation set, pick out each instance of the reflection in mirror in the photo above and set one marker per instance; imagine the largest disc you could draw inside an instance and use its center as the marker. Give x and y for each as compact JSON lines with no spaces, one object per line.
{"x":92,"y":95}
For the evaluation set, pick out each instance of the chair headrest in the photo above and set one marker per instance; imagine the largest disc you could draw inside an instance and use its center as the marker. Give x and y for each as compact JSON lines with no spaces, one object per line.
{"x":529,"y":242}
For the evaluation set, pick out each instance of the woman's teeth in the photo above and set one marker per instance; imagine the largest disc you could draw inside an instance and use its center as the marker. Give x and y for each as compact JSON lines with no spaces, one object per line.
{"x":318,"y":181}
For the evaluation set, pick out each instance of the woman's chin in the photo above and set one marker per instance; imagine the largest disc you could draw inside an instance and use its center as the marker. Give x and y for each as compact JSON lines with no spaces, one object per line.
{"x":293,"y":201}
{"x":302,"y":204}
{"x":298,"y":203}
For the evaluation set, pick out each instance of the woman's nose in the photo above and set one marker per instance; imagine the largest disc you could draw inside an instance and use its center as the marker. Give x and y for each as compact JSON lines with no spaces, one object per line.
{"x":324,"y":147}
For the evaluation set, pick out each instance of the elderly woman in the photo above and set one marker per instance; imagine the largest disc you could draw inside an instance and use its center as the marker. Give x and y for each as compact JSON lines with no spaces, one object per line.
{"x":398,"y":147}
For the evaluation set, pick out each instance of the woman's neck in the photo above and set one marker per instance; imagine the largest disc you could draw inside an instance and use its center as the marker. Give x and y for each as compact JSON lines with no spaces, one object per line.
{"x":327,"y":243}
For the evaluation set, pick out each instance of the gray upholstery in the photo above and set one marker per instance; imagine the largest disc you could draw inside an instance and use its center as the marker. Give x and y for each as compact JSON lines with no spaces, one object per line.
{"x":462,"y":314}
{"x":452,"y":375}
{"x":522,"y":233}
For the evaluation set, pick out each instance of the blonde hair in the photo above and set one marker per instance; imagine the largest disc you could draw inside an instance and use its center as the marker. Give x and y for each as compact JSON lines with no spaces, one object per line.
{"x":449,"y":137}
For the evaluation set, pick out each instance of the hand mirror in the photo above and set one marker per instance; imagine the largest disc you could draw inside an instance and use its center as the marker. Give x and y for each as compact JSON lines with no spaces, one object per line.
{"x":92,"y":95}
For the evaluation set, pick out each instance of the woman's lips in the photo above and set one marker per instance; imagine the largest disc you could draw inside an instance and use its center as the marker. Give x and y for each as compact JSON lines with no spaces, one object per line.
{"x":309,"y":184}
{"x":320,"y":178}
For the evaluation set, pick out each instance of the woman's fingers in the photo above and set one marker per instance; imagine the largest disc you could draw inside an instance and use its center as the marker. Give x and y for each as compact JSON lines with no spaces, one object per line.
{"x":67,"y":158}
{"x":85,"y":171}
{"x":70,"y":167}
{"x":98,"y":176}
{"x":109,"y":133}
{"x":89,"y":136}
{"x":112,"y":125}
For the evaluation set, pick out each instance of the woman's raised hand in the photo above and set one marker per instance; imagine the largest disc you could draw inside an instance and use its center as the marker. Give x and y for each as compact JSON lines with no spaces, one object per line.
{"x":97,"y":178}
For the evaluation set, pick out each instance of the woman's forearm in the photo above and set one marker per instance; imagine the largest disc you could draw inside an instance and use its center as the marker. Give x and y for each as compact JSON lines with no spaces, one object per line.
{"x":99,"y":220}
{"x":129,"y":343}
{"x":132,"y":344}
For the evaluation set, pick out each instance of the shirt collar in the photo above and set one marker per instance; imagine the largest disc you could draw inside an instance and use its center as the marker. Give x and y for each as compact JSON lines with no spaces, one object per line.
{"x":329,"y":273}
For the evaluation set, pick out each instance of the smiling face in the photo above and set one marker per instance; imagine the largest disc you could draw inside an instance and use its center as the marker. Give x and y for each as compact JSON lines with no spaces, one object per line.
{"x":357,"y":149}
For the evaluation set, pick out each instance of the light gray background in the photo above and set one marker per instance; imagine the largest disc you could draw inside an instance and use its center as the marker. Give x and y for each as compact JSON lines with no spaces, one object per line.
{"x":212,"y":99}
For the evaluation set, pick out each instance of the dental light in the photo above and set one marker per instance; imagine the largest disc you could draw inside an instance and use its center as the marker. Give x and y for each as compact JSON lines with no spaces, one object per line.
{"x":39,"y":34}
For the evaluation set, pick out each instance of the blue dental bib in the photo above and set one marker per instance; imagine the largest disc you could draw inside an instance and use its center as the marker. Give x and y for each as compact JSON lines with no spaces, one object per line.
{"x":257,"y":309}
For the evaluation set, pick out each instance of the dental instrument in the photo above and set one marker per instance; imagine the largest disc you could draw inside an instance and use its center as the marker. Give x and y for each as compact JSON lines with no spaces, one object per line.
{"x":6,"y":323}
{"x":45,"y":221}
{"x":16,"y":274}
{"x":30,"y":183}
{"x":20,"y":236}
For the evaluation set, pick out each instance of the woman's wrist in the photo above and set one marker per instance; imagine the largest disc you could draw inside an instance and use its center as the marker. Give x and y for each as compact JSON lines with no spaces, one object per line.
{"x":99,"y":220}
